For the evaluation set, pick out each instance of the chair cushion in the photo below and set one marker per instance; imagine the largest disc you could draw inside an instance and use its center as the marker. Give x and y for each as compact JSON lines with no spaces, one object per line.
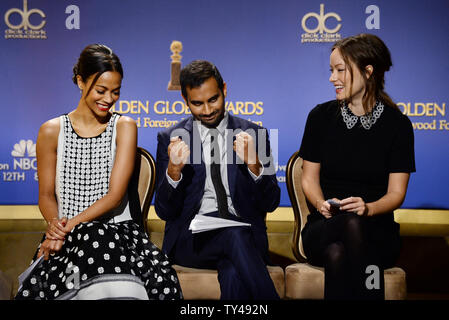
{"x":201,"y":284}
{"x":198,"y":284}
{"x":395,"y":284}
{"x":278,"y":277}
{"x":304,"y":281}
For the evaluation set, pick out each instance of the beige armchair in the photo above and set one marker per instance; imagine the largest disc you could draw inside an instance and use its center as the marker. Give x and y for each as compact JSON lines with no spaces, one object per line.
{"x":142,"y":185}
{"x":304,"y":281}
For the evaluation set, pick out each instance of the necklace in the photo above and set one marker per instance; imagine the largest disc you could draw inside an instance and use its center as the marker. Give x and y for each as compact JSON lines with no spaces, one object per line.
{"x":98,"y":129}
{"x":367,"y":120}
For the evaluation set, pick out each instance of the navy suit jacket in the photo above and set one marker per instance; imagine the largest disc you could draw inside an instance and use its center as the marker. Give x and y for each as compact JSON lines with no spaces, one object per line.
{"x":251,"y":199}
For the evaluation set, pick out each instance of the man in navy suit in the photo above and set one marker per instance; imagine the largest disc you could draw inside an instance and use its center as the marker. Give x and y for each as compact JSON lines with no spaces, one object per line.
{"x":217,"y":165}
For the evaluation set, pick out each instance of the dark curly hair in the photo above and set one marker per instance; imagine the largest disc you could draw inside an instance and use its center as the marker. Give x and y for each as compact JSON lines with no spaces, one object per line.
{"x":196,"y":73}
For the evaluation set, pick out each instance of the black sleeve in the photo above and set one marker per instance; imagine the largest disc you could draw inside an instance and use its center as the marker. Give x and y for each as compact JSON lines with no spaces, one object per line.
{"x":311,"y":140}
{"x":402,"y":158}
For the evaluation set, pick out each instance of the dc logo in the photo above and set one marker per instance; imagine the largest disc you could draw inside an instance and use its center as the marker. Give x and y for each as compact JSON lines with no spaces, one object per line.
{"x":25,"y":15}
{"x":321,"y":19}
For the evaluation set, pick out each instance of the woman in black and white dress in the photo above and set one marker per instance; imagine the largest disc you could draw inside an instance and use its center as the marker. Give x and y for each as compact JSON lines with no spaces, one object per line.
{"x":92,"y":248}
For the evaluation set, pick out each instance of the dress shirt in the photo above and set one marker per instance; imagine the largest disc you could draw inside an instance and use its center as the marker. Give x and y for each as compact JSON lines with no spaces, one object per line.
{"x":209,"y":201}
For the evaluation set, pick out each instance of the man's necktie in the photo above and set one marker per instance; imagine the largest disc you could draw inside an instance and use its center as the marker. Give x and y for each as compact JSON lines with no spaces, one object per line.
{"x":216,"y":176}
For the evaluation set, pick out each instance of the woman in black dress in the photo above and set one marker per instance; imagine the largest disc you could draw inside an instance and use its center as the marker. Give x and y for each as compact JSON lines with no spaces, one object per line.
{"x":358,"y":153}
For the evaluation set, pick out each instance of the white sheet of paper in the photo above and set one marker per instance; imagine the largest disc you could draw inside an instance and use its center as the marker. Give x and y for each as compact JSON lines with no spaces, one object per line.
{"x":201,"y":223}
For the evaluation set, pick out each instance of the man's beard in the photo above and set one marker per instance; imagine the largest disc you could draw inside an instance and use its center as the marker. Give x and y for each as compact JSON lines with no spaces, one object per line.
{"x":220,"y":117}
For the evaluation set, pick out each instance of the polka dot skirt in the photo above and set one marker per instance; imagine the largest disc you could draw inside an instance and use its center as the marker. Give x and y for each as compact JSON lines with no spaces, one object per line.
{"x":94,"y":250}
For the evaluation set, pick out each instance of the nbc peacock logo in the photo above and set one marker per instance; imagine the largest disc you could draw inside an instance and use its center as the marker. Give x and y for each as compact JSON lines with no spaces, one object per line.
{"x":24,"y":160}
{"x":27,"y":147}
{"x":24,"y":154}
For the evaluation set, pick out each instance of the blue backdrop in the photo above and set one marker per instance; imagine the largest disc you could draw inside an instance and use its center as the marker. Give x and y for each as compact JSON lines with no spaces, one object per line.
{"x":274,"y":56}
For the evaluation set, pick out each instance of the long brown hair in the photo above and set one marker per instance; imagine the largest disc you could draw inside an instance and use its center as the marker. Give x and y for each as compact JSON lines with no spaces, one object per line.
{"x":367,"y":49}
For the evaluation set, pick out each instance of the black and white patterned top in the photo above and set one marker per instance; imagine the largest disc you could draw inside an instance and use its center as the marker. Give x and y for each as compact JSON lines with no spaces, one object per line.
{"x":84,"y":167}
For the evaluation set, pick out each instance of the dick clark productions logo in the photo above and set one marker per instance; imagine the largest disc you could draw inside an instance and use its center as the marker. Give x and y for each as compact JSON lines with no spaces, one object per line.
{"x":25,"y":29}
{"x":321,"y":33}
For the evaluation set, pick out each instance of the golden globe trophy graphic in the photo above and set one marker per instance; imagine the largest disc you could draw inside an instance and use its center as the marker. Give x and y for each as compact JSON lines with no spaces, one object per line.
{"x":176,"y":48}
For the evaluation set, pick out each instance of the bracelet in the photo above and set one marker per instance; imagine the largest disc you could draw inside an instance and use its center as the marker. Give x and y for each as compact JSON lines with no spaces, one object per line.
{"x":49,"y":221}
